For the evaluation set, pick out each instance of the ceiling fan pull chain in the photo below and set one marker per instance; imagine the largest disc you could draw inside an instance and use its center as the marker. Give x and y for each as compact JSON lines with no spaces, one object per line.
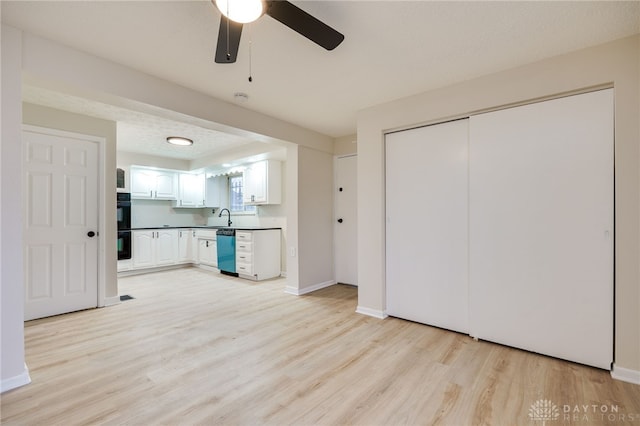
{"x":250,"y":45}
{"x":228,"y":52}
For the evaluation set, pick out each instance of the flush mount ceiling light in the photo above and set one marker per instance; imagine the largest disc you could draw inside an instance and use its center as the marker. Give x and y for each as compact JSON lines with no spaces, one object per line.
{"x":179,"y":140}
{"x":241,"y":11}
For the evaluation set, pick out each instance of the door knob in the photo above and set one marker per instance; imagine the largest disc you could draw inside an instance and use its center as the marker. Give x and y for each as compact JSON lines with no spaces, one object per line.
{"x":340,"y":220}
{"x":91,"y":234}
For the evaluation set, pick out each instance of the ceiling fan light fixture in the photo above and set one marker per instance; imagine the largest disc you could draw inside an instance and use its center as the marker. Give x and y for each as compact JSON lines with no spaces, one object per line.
{"x":241,"y":11}
{"x":179,"y":140}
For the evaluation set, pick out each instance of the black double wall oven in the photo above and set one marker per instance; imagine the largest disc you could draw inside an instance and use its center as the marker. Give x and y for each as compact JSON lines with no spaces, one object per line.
{"x":124,"y":225}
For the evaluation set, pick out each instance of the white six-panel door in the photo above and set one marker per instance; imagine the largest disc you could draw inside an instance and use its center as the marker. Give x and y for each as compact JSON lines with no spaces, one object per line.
{"x":426,"y":230}
{"x":61,"y":209}
{"x":541,"y":220}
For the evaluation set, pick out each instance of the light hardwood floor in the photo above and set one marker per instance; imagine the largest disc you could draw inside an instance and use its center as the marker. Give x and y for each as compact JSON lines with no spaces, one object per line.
{"x":195,"y":347}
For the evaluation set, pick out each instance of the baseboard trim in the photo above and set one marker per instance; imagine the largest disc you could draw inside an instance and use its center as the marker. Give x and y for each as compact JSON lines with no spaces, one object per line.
{"x":16,"y":381}
{"x":300,"y":291}
{"x":207,"y":268}
{"x":140,"y":271}
{"x":371,"y":312}
{"x":110,"y":301}
{"x":625,"y":375}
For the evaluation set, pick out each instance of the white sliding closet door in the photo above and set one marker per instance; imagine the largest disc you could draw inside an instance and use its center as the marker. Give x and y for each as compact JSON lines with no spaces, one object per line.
{"x":426,"y":230}
{"x":541,"y":221}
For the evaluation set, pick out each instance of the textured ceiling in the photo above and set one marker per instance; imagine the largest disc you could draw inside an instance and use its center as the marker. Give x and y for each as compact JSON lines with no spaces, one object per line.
{"x":142,"y":133}
{"x":392,"y":49}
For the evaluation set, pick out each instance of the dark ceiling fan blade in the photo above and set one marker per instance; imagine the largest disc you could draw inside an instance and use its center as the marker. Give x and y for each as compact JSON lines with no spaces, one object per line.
{"x":303,"y":23}
{"x":227,"y":50}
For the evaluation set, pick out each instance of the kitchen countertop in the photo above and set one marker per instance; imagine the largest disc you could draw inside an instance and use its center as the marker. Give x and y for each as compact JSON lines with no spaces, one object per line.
{"x":239,"y":228}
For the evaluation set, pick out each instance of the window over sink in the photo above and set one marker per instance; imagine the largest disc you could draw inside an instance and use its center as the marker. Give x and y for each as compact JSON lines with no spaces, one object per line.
{"x":236,"y":205}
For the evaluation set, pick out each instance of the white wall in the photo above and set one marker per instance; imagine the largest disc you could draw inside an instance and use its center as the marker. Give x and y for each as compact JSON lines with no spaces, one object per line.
{"x":127,"y":159}
{"x":614,"y":63}
{"x":13,"y":372}
{"x":345,"y":145}
{"x":292,"y":237}
{"x":315,"y":219}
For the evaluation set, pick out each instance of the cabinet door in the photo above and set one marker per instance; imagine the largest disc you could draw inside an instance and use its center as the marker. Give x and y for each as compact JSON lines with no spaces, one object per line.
{"x":166,"y":247}
{"x":143,"y":245}
{"x":191,"y":190}
{"x":254,"y":189}
{"x":194,"y":247}
{"x":207,"y":252}
{"x":248,"y":184}
{"x":217,"y":191}
{"x":166,"y":185}
{"x":184,"y":246}
{"x":142,"y":183}
{"x":198,"y":194}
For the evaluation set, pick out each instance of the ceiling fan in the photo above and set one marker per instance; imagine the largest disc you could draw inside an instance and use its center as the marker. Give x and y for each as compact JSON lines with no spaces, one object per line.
{"x":235,"y":13}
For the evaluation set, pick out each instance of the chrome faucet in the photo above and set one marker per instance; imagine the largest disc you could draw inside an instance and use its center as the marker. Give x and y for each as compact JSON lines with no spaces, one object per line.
{"x":229,"y":218}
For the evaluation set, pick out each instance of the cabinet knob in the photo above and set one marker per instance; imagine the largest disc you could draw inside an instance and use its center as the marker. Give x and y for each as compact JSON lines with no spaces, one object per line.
{"x":91,"y":234}
{"x":340,"y":220}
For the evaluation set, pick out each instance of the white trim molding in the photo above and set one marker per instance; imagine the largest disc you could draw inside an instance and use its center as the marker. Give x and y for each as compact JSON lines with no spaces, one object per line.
{"x":16,"y":381}
{"x":110,"y":301}
{"x":371,"y":312}
{"x":300,"y":291}
{"x":625,"y":375}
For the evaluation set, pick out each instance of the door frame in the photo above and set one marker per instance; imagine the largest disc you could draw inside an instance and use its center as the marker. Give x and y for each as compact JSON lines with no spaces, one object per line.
{"x":101,"y":142}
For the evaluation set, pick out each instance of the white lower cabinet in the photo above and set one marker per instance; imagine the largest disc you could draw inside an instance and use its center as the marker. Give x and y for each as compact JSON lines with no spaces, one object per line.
{"x":156,"y":247}
{"x":194,"y":247}
{"x":185,"y":250}
{"x":125,"y":265}
{"x":258,"y":254}
{"x":257,"y":251}
{"x":207,"y":252}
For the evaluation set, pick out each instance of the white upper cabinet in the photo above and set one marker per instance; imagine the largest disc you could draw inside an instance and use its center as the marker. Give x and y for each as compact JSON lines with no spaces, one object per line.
{"x":217,"y":191}
{"x":153,"y":184}
{"x":262,"y":183}
{"x":191,"y":190}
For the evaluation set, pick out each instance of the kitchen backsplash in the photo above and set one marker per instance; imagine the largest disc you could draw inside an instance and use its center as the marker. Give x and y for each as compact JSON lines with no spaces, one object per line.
{"x":266,"y":216}
{"x":155,"y":213}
